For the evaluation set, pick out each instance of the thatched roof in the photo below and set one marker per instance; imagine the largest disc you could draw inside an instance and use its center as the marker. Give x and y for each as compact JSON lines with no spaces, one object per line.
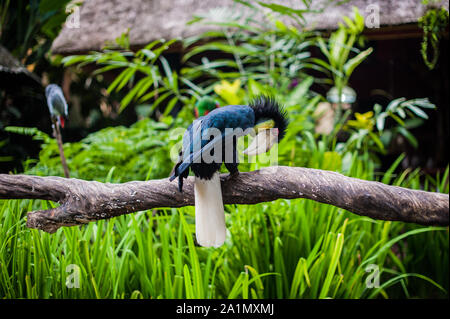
{"x":13,"y":72}
{"x":147,"y":20}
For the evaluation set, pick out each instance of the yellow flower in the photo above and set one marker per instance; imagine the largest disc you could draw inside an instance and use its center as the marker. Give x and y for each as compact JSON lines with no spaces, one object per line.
{"x":231,"y":93}
{"x":363,"y":121}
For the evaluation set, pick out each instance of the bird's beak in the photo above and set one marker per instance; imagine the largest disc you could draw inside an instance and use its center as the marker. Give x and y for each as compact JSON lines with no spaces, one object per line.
{"x":263,"y":141}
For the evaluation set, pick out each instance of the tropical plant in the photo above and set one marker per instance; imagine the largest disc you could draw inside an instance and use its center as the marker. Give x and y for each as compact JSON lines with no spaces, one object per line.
{"x":265,"y":50}
{"x":27,"y":28}
{"x":230,"y":93}
{"x":139,"y":152}
{"x":141,"y":73}
{"x":337,"y":52}
{"x":369,"y":132}
{"x":433,"y":23}
{"x":285,"y":249}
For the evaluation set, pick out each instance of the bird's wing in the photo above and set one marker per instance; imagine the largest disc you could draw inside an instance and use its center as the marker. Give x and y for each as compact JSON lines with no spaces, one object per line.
{"x":196,"y":142}
{"x":192,"y":142}
{"x":186,"y":149}
{"x":50,"y":105}
{"x":195,"y":157}
{"x":57,"y":103}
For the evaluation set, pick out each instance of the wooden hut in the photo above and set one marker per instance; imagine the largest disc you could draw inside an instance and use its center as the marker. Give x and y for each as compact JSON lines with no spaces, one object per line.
{"x":101,"y":21}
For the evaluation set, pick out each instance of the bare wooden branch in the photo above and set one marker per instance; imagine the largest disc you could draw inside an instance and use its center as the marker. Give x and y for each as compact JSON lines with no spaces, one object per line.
{"x":84,"y":201}
{"x":57,"y":136}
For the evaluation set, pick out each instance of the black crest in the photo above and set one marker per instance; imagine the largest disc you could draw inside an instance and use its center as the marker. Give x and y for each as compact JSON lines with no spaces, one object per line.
{"x":266,"y":107}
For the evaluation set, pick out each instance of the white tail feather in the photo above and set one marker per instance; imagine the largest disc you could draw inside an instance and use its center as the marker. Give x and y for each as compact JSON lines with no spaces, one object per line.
{"x":210,"y":226}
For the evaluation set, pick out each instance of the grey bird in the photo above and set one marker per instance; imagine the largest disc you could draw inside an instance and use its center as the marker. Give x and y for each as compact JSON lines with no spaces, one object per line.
{"x":57,"y":104}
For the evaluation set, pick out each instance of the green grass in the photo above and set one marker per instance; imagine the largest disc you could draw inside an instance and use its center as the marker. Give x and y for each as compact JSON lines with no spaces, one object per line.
{"x":283,"y":249}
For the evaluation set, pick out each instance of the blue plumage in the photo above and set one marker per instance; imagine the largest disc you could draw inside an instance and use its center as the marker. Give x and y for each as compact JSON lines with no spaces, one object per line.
{"x":231,"y":116}
{"x":197,"y":142}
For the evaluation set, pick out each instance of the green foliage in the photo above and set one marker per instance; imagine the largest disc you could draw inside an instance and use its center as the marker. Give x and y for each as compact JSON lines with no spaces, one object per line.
{"x":140,"y":73}
{"x":139,"y":152}
{"x":264,"y":50}
{"x":30,"y":131}
{"x":433,"y":23}
{"x":27,"y":28}
{"x":340,"y":44}
{"x":369,"y":132}
{"x":285,"y":249}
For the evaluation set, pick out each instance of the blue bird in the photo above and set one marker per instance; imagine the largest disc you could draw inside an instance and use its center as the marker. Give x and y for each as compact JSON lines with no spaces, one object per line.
{"x":210,"y":141}
{"x":57,"y":104}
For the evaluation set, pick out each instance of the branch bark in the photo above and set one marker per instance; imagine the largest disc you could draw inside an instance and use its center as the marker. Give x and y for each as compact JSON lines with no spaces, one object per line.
{"x":57,"y":136}
{"x":85,"y":201}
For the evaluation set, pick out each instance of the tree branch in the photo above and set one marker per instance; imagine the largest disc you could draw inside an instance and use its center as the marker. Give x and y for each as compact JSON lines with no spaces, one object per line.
{"x":57,"y":136}
{"x":84,"y":201}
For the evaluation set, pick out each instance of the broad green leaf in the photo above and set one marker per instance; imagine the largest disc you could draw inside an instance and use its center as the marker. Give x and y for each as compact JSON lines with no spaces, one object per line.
{"x":351,"y":64}
{"x":416,"y":110}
